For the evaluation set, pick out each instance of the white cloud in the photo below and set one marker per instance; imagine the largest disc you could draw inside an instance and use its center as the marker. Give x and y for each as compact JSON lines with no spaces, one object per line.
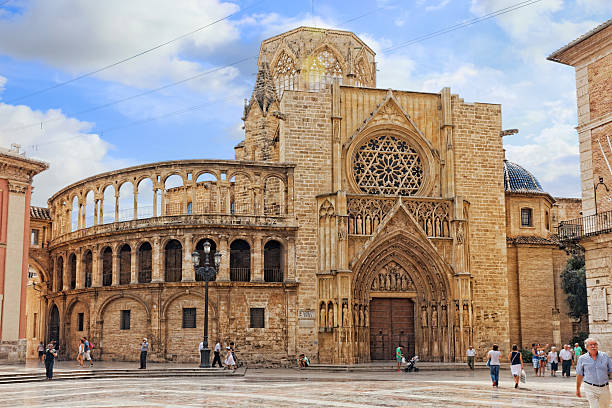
{"x":82,"y":36}
{"x":2,"y":82}
{"x":596,"y":6}
{"x":433,"y":5}
{"x":72,"y":152}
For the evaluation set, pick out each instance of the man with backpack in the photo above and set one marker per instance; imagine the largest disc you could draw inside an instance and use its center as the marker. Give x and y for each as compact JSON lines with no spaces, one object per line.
{"x":88,"y":347}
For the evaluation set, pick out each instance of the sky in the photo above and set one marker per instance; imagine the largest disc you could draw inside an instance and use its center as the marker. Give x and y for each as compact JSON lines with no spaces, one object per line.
{"x":183,"y":98}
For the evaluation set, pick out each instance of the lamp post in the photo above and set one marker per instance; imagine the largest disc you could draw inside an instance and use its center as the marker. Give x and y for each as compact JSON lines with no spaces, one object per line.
{"x":601,"y":183}
{"x":207,"y":272}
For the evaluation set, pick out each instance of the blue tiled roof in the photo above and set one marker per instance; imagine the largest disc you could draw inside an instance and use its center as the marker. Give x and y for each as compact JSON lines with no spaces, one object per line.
{"x":520,"y":180}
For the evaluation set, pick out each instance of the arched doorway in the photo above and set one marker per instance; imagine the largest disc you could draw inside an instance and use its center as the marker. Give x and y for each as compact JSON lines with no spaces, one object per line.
{"x":54,"y":324}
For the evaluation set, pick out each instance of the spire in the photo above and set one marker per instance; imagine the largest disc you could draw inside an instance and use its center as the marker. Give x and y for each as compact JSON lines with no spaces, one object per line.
{"x":264,"y":92}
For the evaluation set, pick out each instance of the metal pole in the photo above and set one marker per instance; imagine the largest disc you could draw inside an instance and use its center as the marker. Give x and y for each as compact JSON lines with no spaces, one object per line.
{"x":205,"y":355}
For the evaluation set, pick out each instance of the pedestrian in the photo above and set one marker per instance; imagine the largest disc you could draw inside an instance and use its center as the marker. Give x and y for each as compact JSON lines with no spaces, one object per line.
{"x":543,"y":360}
{"x":553,"y":359}
{"x":233,"y":350}
{"x":50,"y":356}
{"x":398,"y":357}
{"x":535,"y":359}
{"x":303,"y":361}
{"x":217,"y":352}
{"x":229,"y":359}
{"x":594,"y":367}
{"x":144,"y":349}
{"x":493,"y":363}
{"x":470,"y":357}
{"x":577,"y":353}
{"x":41,"y":352}
{"x":516,"y":364}
{"x":566,"y":360}
{"x":81,"y":353}
{"x":88,"y":348}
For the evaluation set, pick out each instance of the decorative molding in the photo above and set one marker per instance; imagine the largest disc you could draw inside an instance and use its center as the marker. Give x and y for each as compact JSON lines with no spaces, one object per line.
{"x":18,"y":187}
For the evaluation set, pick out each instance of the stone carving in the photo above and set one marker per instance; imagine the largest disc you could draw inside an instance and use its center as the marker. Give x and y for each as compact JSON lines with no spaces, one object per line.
{"x":598,"y":304}
{"x":17,"y":187}
{"x":466,"y":315}
{"x":443,"y":316}
{"x":424,"y":316}
{"x":434,"y":317}
{"x":345,"y":315}
{"x":393,"y":278}
{"x":460,"y":236}
{"x":330,"y":315}
{"x":322,"y":315}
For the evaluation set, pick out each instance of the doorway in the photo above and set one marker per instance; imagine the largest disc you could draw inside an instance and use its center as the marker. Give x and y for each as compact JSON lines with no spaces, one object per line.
{"x":391,"y":324}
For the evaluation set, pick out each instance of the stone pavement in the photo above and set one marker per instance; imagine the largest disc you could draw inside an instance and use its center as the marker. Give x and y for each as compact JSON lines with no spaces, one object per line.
{"x":304,"y":388}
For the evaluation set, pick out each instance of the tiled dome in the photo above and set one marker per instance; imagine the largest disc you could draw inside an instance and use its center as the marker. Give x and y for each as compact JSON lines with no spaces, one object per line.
{"x":518,"y":179}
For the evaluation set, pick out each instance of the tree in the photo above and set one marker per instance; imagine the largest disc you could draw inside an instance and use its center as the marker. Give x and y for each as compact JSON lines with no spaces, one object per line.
{"x":573,"y":282}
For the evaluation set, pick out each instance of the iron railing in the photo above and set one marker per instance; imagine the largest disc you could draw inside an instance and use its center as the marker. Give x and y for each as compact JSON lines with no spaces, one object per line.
{"x":240,"y":274}
{"x":273,"y":275}
{"x":590,"y":225}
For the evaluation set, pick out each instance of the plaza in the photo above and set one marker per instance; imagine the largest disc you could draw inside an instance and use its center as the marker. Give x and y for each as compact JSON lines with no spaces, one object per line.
{"x":305,"y":388}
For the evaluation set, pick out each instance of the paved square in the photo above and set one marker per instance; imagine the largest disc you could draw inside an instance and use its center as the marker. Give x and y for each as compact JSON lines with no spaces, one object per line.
{"x":290,"y":388}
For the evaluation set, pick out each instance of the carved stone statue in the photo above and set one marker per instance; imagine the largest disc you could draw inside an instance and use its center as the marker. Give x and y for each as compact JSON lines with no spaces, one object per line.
{"x":322,"y":315}
{"x":330,"y":315}
{"x":424,"y":316}
{"x":466,"y":315}
{"x":434,"y":317}
{"x":345,"y":315}
{"x":443,"y":316}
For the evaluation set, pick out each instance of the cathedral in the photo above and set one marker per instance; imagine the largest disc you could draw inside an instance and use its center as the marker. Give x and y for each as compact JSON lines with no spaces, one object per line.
{"x":352,"y":220}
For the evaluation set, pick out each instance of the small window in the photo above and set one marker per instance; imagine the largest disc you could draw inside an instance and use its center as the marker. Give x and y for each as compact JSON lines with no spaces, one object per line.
{"x":35,"y":234}
{"x":189,"y":208}
{"x":189,"y":318}
{"x":80,"y":321}
{"x":526,"y":217}
{"x":257,"y":318}
{"x":125,"y":320}
{"x":546,"y":221}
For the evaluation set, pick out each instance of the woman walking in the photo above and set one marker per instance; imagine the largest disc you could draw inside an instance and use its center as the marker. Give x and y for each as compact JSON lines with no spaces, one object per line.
{"x":81,"y":353}
{"x":535,"y":359}
{"x":229,"y":359}
{"x":543,"y":360}
{"x":553,"y":359}
{"x":41,"y":352}
{"x":516,"y":364}
{"x":493,"y":363}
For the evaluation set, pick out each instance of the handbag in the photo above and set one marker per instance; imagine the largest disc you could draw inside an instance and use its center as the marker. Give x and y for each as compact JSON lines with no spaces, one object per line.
{"x":523,"y":376}
{"x":489,"y":363}
{"x":403,"y":360}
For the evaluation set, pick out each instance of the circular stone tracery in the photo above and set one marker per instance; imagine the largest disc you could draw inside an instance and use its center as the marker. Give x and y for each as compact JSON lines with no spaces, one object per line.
{"x":388,"y":165}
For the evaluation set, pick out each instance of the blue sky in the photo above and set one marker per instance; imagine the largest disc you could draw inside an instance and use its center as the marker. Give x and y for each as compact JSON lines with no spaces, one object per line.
{"x":44,"y":43}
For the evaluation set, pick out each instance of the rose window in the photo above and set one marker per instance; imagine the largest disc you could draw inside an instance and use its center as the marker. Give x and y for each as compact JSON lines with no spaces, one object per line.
{"x":387,"y":165}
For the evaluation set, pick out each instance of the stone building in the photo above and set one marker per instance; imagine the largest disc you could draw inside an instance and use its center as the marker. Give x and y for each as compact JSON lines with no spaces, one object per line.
{"x":353,"y":219}
{"x":591,"y":56}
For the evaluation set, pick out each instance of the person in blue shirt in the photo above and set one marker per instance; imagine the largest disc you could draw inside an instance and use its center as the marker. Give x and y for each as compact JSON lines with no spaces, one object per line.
{"x":594,"y":368}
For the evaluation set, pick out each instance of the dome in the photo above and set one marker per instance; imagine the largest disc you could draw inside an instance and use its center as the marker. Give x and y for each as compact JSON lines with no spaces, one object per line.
{"x":517,"y":179}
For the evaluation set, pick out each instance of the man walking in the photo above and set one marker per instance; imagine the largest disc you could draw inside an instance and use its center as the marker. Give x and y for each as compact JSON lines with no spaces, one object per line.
{"x":50,"y":356}
{"x":594,"y":367}
{"x":470,"y":357}
{"x":217,"y":351}
{"x":577,"y":353}
{"x":566,"y":360}
{"x":144,"y":349}
{"x":88,"y":347}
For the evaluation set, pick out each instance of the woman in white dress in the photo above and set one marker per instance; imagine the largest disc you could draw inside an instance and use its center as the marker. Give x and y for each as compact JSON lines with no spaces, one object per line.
{"x":81,"y":353}
{"x":229,"y":359}
{"x":516,"y":364}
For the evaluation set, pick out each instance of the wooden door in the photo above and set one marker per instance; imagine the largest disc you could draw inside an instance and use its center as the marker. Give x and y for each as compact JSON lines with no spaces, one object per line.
{"x":391,"y":324}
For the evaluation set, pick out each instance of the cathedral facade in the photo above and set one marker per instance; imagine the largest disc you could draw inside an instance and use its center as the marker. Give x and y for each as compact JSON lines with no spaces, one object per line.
{"x":352,"y":219}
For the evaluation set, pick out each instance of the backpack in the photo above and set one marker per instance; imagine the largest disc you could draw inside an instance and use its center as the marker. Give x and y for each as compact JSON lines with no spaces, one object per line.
{"x":91,"y":346}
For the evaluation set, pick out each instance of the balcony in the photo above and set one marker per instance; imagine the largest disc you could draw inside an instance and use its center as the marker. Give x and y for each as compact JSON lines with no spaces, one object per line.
{"x":591,"y":225}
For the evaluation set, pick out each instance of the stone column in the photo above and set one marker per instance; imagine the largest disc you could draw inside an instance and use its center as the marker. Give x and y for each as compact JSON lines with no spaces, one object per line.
{"x":80,"y":278}
{"x":156,"y":273}
{"x":116,"y":260}
{"x":188,"y":271}
{"x":135,"y":202}
{"x":116,"y":205}
{"x":96,"y":272}
{"x":290,"y":268}
{"x":133,"y":265}
{"x":66,"y":279}
{"x":96,"y":204}
{"x":155,"y":202}
{"x":223,"y":274}
{"x":257,"y":260}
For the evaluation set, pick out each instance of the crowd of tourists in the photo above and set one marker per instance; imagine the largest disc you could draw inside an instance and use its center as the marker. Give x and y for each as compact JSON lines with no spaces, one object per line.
{"x":593,"y":367}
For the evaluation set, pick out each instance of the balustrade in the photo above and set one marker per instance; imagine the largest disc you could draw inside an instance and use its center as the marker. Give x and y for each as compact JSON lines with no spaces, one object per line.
{"x":590,"y":225}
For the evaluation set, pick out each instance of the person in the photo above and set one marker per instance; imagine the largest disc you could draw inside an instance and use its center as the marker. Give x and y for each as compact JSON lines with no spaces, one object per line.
{"x":229,"y":359}
{"x":594,"y":368}
{"x":303,"y":361}
{"x":553,"y":359}
{"x":81,"y":353}
{"x":144,"y":349}
{"x":233,"y":349}
{"x":50,"y":356}
{"x":88,"y":348}
{"x":566,"y":361}
{"x":398,"y":357}
{"x":577,"y":353}
{"x":535,"y":360}
{"x":217,"y":351}
{"x":543,"y":360}
{"x":41,"y":352}
{"x":516,"y":364}
{"x":470,"y":357}
{"x":493,"y":363}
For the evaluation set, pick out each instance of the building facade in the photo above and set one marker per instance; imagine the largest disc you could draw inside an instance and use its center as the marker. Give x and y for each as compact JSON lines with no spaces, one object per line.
{"x":591,"y":56}
{"x":353,"y":219}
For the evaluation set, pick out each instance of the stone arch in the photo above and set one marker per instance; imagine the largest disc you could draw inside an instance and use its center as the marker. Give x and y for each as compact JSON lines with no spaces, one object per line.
{"x":108,"y":301}
{"x":44,"y":275}
{"x":71,"y":325}
{"x":317,"y":79}
{"x":284,"y":70}
{"x":274,"y":195}
{"x":274,"y":260}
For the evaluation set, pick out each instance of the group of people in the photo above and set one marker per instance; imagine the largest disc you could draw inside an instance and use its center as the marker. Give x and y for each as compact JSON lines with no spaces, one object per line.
{"x":548,"y":356}
{"x":230,"y":360}
{"x":48,"y":354}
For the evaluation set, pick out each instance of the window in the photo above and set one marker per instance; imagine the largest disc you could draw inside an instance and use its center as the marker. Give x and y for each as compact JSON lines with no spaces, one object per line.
{"x":189,"y":208}
{"x":189,"y":318}
{"x":35,"y":234}
{"x":526,"y":218}
{"x":257,"y":318}
{"x":125,"y":320}
{"x":546,"y":221}
{"x":80,"y":321}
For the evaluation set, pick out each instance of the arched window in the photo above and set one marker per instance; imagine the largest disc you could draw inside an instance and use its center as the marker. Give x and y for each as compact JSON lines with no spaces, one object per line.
{"x":273,"y":262}
{"x":323,"y":69}
{"x":284,"y":74}
{"x":87,"y":261}
{"x":240,"y":261}
{"x":173,"y":261}
{"x":60,"y":274}
{"x":125,"y":264}
{"x":274,"y":196}
{"x":74,"y":222}
{"x":145,"y":263}
{"x":361,"y":73}
{"x":72,"y":270}
{"x":107,"y":267}
{"x":54,"y":324}
{"x":211,"y":256}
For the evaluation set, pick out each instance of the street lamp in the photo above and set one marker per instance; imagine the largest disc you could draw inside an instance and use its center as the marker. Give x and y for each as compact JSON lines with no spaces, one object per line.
{"x":207,"y":272}
{"x":601,"y":183}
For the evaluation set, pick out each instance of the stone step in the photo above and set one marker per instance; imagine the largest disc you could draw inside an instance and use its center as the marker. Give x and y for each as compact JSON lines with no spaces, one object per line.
{"x":423,"y":366}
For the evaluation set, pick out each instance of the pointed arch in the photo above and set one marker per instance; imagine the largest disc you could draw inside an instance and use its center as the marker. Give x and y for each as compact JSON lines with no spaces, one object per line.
{"x":284,"y":71}
{"x":323,"y":66}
